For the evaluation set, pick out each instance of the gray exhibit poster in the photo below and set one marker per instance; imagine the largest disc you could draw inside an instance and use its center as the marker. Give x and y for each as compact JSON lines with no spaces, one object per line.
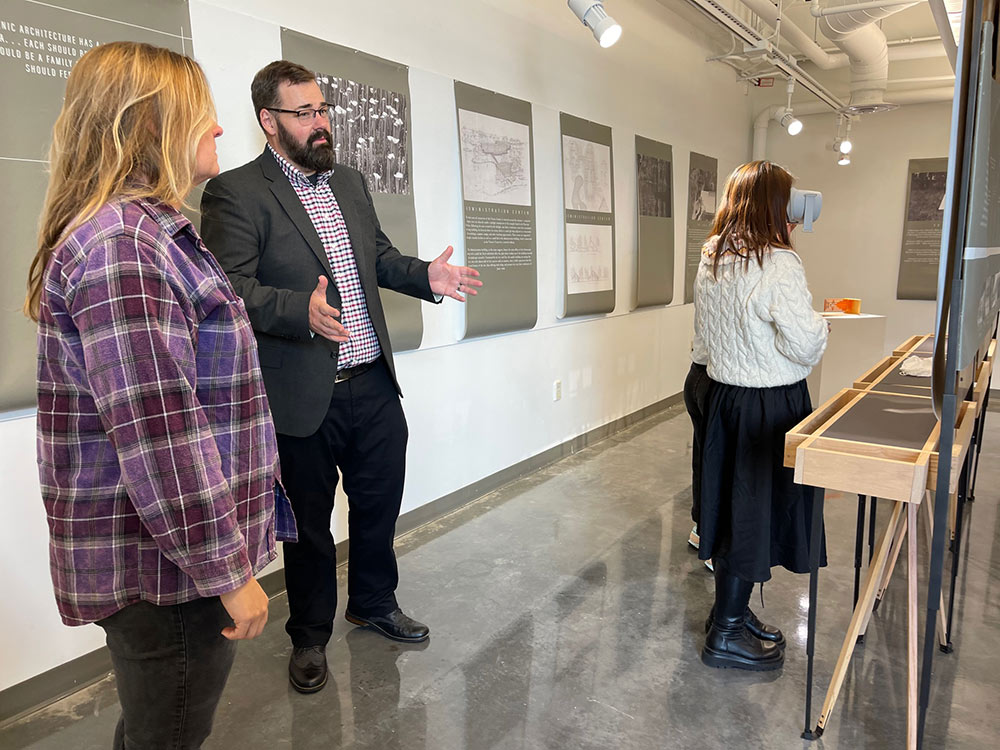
{"x":39,"y":44}
{"x":589,"y":210}
{"x":655,"y":223}
{"x":981,"y":265}
{"x":922,"y":222}
{"x":703,"y":180}
{"x":370,"y":124}
{"x":498,"y":191}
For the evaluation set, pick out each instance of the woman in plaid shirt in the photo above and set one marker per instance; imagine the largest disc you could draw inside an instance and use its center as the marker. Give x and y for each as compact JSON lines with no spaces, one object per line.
{"x":156,"y":452}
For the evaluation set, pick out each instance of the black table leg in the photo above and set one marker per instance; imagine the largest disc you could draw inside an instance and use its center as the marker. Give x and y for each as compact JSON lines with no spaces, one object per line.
{"x":871,"y":531}
{"x":956,"y":546}
{"x":859,"y":541}
{"x":815,"y":543}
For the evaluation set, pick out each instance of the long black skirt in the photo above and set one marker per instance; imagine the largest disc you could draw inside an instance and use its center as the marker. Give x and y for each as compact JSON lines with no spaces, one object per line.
{"x":753,"y":515}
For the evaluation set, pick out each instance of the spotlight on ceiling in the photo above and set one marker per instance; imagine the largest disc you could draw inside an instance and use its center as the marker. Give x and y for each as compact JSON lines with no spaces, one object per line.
{"x":784,"y":116}
{"x":592,"y":15}
{"x":791,"y":123}
{"x":843,"y":160}
{"x":845,"y":146}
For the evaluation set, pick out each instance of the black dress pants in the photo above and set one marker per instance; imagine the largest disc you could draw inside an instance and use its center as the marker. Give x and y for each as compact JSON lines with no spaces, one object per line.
{"x":363,"y":436}
{"x":171,"y":664}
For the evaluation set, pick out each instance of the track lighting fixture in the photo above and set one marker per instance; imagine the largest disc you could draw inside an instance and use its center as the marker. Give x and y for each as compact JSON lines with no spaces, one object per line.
{"x":842,"y":143}
{"x":843,"y":160}
{"x":784,"y":116}
{"x":592,"y":15}
{"x":791,"y":123}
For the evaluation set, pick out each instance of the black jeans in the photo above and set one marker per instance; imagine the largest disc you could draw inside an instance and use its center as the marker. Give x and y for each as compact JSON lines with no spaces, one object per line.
{"x":363,"y":436}
{"x":171,"y":664}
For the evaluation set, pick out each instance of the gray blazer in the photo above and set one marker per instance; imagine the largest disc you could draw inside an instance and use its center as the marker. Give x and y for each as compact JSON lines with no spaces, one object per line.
{"x":255,"y":225}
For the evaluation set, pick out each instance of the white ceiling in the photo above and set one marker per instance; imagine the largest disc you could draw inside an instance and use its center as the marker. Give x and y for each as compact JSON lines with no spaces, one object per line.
{"x":916,"y":22}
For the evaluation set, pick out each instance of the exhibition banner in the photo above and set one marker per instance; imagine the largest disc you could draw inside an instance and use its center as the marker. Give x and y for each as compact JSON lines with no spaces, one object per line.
{"x":370,"y":125}
{"x":39,"y":44}
{"x":703,"y":178}
{"x":923,"y":218}
{"x":589,"y":211}
{"x":655,"y":223}
{"x":981,"y":265}
{"x":498,"y":191}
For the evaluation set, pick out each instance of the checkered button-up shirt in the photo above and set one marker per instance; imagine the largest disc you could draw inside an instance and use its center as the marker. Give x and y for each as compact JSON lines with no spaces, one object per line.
{"x":156,"y":452}
{"x":324,"y":212}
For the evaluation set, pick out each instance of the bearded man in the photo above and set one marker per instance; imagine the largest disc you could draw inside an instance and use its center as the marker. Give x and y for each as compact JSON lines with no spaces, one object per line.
{"x":300,"y":241}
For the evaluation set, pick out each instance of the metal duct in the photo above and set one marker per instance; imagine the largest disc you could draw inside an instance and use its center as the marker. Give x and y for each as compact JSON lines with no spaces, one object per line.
{"x":865,"y":45}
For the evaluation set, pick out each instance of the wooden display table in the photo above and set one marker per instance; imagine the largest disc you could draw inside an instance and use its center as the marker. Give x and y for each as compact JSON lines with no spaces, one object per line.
{"x":883,"y":443}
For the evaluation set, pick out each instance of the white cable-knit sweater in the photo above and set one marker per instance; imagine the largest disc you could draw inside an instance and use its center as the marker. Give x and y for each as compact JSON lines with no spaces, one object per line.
{"x":754,"y":326}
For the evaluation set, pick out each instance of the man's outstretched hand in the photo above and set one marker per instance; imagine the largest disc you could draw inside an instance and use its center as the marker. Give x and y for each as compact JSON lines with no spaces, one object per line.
{"x":452,"y":281}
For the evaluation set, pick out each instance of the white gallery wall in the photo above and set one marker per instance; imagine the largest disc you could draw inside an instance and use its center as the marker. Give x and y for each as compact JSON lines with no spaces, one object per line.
{"x":854,"y":251}
{"x":474,"y":407}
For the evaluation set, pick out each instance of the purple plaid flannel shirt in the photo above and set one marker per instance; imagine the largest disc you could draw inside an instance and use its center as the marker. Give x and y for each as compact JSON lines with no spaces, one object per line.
{"x":156,"y":451}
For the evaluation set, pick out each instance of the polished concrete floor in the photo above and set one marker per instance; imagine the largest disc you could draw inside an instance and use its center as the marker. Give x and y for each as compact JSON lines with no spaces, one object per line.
{"x":566,"y":612}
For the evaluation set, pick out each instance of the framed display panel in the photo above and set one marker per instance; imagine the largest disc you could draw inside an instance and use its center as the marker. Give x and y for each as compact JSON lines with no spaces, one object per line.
{"x":371,"y":129}
{"x":980,"y":299}
{"x":498,"y":189}
{"x":702,"y":199}
{"x":654,"y":223}
{"x":39,"y":44}
{"x":879,"y":444}
{"x":922,"y":223}
{"x":589,"y":216}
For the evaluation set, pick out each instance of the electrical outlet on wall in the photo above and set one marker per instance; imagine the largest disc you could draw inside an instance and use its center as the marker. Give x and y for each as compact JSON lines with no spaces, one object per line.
{"x":556,"y":390}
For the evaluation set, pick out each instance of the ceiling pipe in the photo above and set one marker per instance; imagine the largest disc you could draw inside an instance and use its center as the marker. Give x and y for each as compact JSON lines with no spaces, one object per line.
{"x":915,"y":51}
{"x":864,"y":43}
{"x":821,"y":58}
{"x":826,"y":10}
{"x":943,"y":22}
{"x":753,"y":40}
{"x":768,"y":13}
{"x":764,"y":117}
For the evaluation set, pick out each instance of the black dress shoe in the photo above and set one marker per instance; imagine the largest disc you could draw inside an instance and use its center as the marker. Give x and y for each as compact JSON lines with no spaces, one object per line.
{"x":307,"y":668}
{"x":395,"y":625}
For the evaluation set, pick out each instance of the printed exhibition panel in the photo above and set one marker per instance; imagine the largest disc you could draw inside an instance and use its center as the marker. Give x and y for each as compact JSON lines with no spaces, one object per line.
{"x":498,"y":192}
{"x":370,"y":125}
{"x":922,"y":222}
{"x":703,"y":180}
{"x":655,"y":222}
{"x":589,"y":209}
{"x":981,"y":265}
{"x":39,"y":44}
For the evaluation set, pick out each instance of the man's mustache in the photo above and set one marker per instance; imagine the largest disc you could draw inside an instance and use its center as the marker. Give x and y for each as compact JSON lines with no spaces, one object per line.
{"x":321,"y":133}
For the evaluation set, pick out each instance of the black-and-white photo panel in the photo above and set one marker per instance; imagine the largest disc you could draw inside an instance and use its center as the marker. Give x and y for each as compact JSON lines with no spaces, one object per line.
{"x":39,"y":44}
{"x":654,"y":223}
{"x":589,"y":210}
{"x":923,"y":218}
{"x":703,"y":186}
{"x":371,"y":129}
{"x":498,"y":192}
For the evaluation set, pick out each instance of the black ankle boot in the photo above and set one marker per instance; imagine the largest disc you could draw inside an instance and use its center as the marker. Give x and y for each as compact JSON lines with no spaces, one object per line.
{"x":729,"y":644}
{"x":757,"y":628}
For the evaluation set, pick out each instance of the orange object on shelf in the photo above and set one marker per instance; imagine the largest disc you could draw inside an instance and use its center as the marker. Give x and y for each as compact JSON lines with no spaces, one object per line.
{"x":847,"y":305}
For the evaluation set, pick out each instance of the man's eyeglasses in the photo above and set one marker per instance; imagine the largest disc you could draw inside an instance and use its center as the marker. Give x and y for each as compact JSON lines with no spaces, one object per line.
{"x":304,"y":115}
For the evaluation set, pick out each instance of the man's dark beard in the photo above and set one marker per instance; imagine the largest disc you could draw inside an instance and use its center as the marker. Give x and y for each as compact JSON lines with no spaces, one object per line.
{"x":311,"y":157}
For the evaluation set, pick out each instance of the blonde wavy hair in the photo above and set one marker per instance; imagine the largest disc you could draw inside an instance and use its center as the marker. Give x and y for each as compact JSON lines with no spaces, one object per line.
{"x":129,"y":128}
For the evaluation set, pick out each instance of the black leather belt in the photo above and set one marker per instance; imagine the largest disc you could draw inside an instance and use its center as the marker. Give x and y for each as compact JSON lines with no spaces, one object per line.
{"x":352,"y":372}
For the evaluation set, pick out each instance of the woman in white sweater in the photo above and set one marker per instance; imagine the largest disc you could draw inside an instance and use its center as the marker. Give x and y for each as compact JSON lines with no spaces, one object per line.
{"x":759,"y":337}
